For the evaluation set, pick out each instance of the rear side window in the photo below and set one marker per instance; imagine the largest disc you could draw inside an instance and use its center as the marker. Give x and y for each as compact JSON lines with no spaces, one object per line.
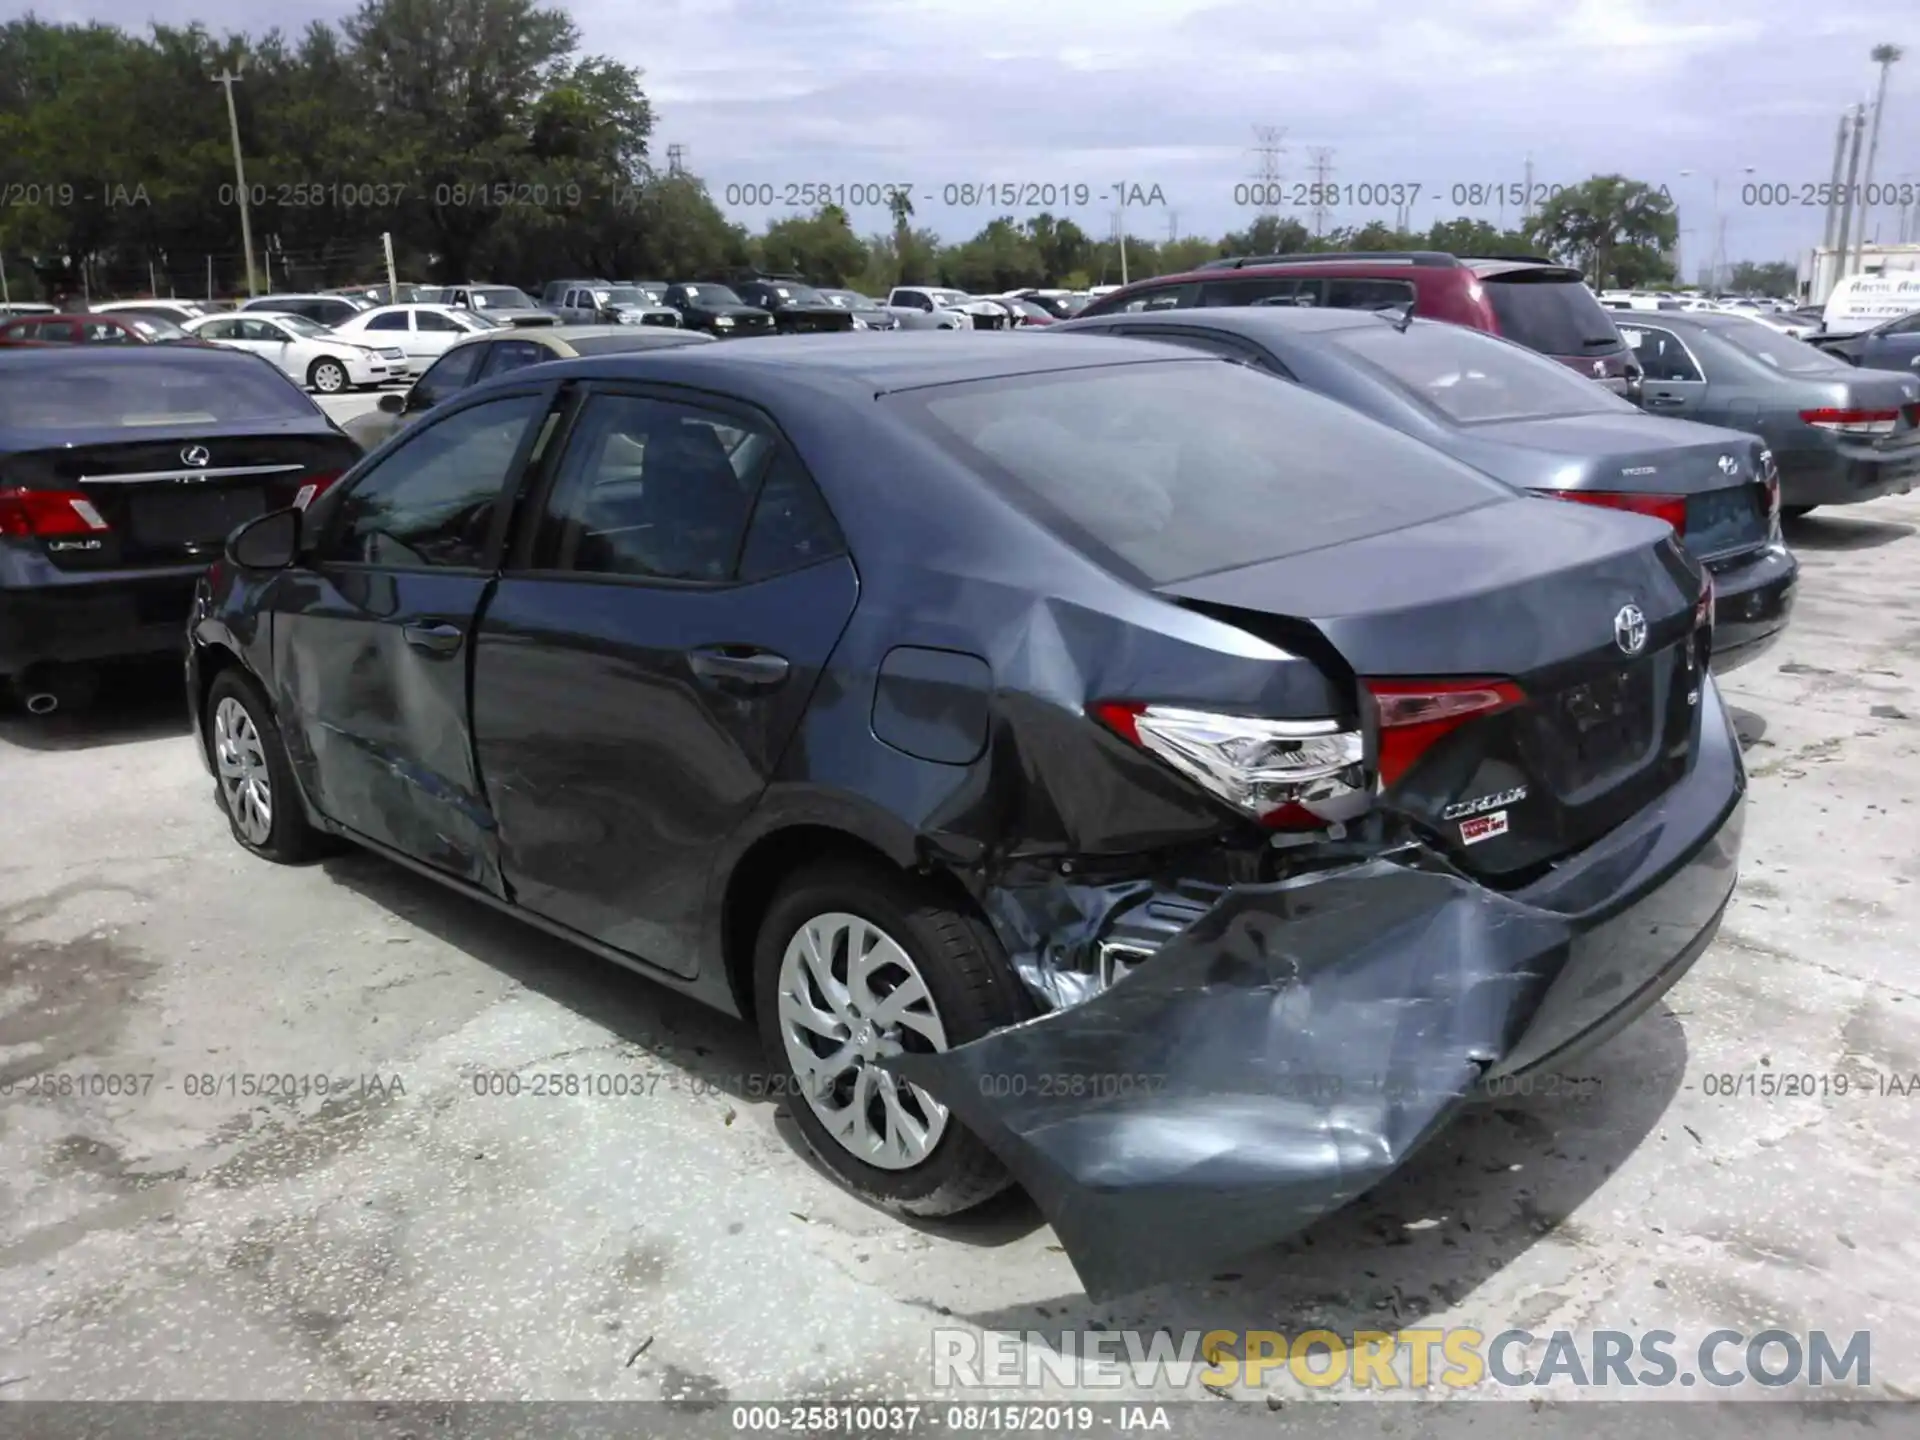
{"x":1368,"y":294}
{"x":1471,"y":378}
{"x":1555,"y":317}
{"x":207,"y":387}
{"x":1170,"y":297}
{"x":1166,"y":471}
{"x":1248,"y":292}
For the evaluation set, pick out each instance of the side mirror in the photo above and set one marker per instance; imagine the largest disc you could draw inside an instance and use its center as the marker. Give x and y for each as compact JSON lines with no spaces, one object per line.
{"x":392,"y":402}
{"x":271,"y":542}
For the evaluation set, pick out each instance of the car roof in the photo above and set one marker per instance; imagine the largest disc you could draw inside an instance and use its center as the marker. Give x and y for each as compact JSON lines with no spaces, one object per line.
{"x":883,"y":364}
{"x":1249,"y":320}
{"x":123,"y":355}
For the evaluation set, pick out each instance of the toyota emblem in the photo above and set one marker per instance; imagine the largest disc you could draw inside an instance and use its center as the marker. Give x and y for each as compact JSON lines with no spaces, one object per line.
{"x":195,"y":455}
{"x":1630,"y":630}
{"x":1599,"y":369}
{"x":1729,"y":465}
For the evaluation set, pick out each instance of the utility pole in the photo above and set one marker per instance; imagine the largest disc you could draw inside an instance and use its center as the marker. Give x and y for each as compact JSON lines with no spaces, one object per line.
{"x":1120,"y":239}
{"x":1885,"y":56}
{"x":1266,"y":174}
{"x":1322,"y":183}
{"x":5,"y":298}
{"x":229,"y":79}
{"x":1173,"y":226}
{"x":1839,"y":166}
{"x":1846,"y":197}
{"x":393,"y":275}
{"x":676,"y":159}
{"x":1526,"y":195}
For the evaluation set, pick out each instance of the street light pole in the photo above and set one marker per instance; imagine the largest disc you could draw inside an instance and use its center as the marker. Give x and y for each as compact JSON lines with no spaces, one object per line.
{"x":227,"y":79}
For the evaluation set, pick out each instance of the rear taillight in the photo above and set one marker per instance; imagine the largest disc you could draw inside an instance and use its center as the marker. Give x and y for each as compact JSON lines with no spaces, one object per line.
{"x":311,"y":489}
{"x":1670,"y":508}
{"x":1285,"y":774}
{"x":38,"y":514}
{"x":1861,"y":423}
{"x":1415,"y":715}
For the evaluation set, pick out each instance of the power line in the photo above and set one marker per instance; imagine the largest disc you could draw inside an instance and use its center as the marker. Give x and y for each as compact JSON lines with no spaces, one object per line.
{"x":1322,"y":186}
{"x":1266,"y":172}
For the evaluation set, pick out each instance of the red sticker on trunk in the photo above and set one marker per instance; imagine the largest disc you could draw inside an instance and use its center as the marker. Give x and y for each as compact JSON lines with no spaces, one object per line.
{"x":1483,"y":827}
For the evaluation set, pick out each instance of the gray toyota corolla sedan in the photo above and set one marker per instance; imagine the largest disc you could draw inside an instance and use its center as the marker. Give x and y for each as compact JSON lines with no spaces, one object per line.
{"x":1093,"y":765}
{"x":1531,"y":422}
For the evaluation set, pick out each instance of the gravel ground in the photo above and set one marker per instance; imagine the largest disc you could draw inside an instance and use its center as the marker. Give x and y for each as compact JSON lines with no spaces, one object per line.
{"x":411,"y":1236}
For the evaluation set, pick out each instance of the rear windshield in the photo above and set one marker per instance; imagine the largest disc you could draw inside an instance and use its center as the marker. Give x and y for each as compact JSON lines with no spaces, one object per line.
{"x":1471,"y":378}
{"x":188,"y":389}
{"x":1555,"y":317}
{"x":1782,"y":352}
{"x":1180,"y":469}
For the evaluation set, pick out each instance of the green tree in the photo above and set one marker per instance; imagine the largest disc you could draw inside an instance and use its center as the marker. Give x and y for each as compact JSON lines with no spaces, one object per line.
{"x":821,"y":246}
{"x":1268,"y":235}
{"x":1774,"y":277}
{"x":1615,"y":229}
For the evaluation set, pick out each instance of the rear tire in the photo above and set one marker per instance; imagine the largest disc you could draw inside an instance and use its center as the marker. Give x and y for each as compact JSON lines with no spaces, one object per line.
{"x":1794,"y":512}
{"x":968,"y":990}
{"x":253,"y":776}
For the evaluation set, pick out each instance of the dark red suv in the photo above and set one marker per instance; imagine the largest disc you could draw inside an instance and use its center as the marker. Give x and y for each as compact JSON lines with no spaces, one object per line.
{"x":1544,"y":306}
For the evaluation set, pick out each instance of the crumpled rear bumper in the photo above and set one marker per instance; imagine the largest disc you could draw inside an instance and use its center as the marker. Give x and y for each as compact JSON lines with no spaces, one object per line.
{"x":1296,"y":1044}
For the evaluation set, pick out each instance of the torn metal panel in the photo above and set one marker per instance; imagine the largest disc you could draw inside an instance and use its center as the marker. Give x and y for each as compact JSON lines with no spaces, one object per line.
{"x":1295,"y":1044}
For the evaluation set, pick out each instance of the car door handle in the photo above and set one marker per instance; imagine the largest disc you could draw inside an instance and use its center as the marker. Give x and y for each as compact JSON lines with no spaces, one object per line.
{"x":435,"y":639}
{"x":735,"y":666}
{"x":1665,"y":401}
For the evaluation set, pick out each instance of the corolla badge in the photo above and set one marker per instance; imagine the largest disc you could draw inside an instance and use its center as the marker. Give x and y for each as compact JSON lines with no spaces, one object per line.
{"x":1630,"y":629}
{"x":1729,"y":465}
{"x":195,"y":455}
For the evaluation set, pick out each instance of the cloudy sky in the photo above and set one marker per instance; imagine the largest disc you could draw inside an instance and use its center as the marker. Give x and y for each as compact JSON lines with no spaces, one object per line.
{"x":1166,"y":95}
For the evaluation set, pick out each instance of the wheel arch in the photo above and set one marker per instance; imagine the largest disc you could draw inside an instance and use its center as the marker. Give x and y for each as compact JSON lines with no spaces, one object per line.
{"x":772,"y":858}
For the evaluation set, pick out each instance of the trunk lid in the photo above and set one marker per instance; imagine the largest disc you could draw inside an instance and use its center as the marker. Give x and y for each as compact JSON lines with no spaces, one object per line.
{"x":159,"y":507}
{"x":1535,"y":593}
{"x":1718,"y":471}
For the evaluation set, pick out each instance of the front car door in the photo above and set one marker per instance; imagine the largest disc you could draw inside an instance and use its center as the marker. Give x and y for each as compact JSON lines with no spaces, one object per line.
{"x":371,"y":635}
{"x":646,"y":658}
{"x":263,"y":337}
{"x":432,"y":334}
{"x":1672,"y":381}
{"x":1893,"y":347}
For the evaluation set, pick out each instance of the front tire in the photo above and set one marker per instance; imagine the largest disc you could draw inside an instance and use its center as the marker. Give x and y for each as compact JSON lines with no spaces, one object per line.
{"x":854,"y":962}
{"x":253,"y":776}
{"x":329,"y":377}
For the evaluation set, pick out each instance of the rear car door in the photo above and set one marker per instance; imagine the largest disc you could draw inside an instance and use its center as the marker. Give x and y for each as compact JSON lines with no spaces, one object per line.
{"x":1673,"y":382}
{"x":647,"y":657}
{"x":371,"y":636}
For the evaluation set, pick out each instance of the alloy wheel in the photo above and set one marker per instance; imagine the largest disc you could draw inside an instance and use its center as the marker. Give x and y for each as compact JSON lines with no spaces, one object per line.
{"x":851,"y":996}
{"x":241,"y":758}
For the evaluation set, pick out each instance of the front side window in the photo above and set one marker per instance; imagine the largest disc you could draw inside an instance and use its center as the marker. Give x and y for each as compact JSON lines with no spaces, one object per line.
{"x":650,"y":489}
{"x":1368,"y":294}
{"x":1252,"y":291}
{"x":452,"y":371}
{"x":431,"y":503}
